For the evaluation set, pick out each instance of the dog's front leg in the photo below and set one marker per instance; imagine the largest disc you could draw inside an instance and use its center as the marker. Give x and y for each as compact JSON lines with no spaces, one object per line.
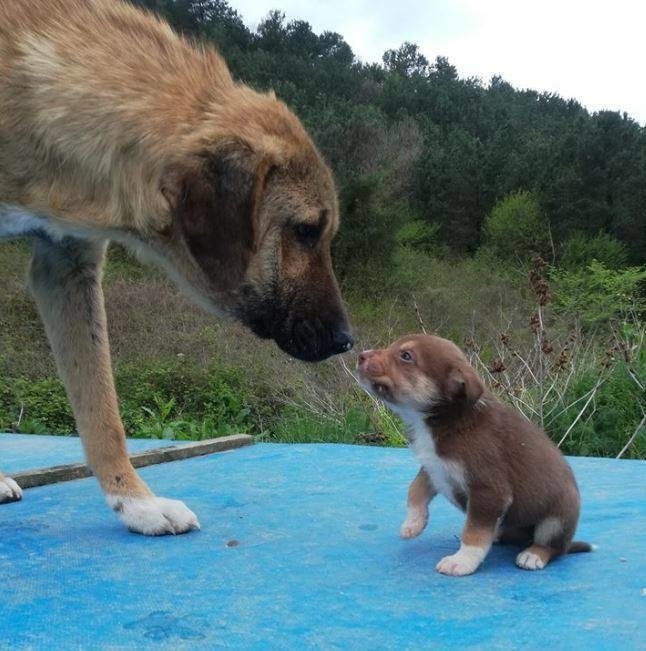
{"x":485,"y":511}
{"x":65,"y":278}
{"x":420,"y":493}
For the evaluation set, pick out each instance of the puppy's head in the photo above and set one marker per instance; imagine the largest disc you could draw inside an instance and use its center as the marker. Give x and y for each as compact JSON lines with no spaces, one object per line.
{"x":253,"y":217}
{"x":421,"y":373}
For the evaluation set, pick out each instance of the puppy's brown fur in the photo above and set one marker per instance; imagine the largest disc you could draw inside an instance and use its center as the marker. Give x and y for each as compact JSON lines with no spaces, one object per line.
{"x":503,"y":471}
{"x":114,"y":127}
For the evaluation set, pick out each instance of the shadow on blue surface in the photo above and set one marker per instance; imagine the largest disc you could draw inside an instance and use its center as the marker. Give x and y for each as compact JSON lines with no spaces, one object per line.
{"x":299,"y":547}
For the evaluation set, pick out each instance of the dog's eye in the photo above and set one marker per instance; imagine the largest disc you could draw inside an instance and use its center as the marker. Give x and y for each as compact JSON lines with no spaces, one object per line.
{"x":307,"y":234}
{"x":405,"y":356}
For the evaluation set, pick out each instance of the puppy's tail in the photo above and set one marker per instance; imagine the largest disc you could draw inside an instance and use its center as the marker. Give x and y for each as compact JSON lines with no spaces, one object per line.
{"x":576,"y":547}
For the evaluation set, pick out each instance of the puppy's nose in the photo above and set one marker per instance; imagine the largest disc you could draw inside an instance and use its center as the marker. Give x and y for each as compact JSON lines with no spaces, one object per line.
{"x":363,"y":357}
{"x":342,"y":341}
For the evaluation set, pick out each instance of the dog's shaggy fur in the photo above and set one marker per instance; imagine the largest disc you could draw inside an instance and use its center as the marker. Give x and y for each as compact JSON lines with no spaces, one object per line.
{"x":114,"y":127}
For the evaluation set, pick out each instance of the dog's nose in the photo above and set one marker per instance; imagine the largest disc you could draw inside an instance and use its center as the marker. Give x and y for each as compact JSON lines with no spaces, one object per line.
{"x":342,"y":341}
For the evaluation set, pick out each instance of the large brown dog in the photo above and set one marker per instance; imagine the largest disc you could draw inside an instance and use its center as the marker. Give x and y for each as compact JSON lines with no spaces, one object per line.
{"x":113,"y":127}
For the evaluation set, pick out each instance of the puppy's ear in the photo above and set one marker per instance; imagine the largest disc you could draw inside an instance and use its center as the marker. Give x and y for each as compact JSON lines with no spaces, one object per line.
{"x":215,"y":203}
{"x":464,"y":385}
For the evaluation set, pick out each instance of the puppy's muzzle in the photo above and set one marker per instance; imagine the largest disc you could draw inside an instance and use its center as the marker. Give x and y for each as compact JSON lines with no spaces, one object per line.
{"x":373,"y":374}
{"x":369,"y":365}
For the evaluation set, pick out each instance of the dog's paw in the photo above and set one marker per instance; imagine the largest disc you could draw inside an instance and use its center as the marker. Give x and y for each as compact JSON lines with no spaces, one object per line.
{"x":413,"y":526}
{"x":153,"y":516}
{"x":529,"y":561}
{"x":9,"y":490}
{"x":465,"y":561}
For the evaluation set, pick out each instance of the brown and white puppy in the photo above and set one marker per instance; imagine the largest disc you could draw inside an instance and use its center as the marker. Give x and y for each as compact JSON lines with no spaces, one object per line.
{"x":503,"y":471}
{"x":114,"y":127}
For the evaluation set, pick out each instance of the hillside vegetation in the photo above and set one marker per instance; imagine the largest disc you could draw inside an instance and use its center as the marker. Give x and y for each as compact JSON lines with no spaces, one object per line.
{"x":513,"y":222}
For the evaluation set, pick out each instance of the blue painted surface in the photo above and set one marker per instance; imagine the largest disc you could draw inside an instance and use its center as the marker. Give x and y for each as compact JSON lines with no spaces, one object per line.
{"x":319,"y":563}
{"x":28,"y":451}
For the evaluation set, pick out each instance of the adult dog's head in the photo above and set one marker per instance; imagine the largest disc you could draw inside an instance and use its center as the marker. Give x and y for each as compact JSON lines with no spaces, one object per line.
{"x":253,"y":211}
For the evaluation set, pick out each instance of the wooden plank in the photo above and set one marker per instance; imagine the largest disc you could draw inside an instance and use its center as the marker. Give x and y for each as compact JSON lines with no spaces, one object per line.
{"x":68,"y":472}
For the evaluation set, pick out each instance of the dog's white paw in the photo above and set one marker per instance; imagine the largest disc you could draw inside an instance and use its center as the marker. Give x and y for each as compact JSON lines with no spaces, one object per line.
{"x":529,"y":561}
{"x":413,"y":526}
{"x":9,"y":490}
{"x":465,"y":561}
{"x":153,"y":516}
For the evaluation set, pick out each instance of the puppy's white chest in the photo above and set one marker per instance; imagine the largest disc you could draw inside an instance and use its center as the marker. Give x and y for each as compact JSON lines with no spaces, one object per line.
{"x":447,"y":475}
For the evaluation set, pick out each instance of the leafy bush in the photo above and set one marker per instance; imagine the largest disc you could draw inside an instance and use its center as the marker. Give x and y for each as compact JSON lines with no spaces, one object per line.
{"x":366,"y":239}
{"x":580,"y":250}
{"x":610,"y":421}
{"x":597,"y":295}
{"x":421,"y":235}
{"x":35,"y":406}
{"x":165,"y":400}
{"x":177,"y":400}
{"x":516,"y":229}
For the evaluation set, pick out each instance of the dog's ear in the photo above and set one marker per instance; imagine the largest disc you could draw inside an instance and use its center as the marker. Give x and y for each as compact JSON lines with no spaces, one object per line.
{"x":215,"y":203}
{"x":464,"y":385}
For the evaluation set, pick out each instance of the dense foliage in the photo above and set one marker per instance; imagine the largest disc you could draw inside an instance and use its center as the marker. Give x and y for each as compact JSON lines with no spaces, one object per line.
{"x":449,"y":188}
{"x":411,"y":140}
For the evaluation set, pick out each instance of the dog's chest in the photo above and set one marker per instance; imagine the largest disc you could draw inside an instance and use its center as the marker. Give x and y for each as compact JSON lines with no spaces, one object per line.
{"x":447,"y":475}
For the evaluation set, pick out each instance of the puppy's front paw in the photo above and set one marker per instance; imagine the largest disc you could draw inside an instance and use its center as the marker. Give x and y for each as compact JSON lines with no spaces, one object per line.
{"x":413,"y":526}
{"x":9,"y":490}
{"x":529,"y":561}
{"x":153,"y":516}
{"x":465,"y":561}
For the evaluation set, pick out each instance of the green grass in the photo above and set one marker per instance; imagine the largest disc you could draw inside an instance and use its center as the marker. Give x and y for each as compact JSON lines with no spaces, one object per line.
{"x":182,"y":375}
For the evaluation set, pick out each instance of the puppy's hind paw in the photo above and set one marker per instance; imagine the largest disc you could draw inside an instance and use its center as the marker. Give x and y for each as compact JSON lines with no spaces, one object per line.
{"x":9,"y":490}
{"x":153,"y":516}
{"x":529,"y":561}
{"x":413,"y":526}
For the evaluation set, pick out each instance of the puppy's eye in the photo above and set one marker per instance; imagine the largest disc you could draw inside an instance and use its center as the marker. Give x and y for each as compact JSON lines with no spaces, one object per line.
{"x":307,"y":234}
{"x":405,"y":356}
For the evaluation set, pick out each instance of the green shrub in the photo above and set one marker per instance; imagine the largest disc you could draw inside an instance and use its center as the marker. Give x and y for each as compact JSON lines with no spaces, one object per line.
{"x":35,"y":406}
{"x":421,"y":235}
{"x":516,"y":229}
{"x":610,"y":419}
{"x":597,"y":295}
{"x":581,"y":249}
{"x":366,"y":238}
{"x":164,"y":400}
{"x":177,"y":400}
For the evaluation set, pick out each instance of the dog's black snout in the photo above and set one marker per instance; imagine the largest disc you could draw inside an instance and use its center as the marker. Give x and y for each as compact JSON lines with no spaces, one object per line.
{"x":342,"y":341}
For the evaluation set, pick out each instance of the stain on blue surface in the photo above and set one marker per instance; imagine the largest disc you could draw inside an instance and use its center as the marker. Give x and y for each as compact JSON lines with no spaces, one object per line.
{"x":311,"y":570}
{"x":163,"y":625}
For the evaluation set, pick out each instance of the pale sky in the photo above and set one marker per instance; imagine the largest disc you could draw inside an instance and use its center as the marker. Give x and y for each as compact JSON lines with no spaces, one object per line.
{"x":593,"y":51}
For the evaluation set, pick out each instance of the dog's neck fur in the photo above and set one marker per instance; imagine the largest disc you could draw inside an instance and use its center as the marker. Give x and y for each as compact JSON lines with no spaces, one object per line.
{"x":447,"y":419}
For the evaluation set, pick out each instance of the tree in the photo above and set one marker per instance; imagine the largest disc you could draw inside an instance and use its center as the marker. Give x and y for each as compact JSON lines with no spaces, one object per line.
{"x":516,"y":229}
{"x":580,"y":250}
{"x":407,"y":60}
{"x":475,"y":143}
